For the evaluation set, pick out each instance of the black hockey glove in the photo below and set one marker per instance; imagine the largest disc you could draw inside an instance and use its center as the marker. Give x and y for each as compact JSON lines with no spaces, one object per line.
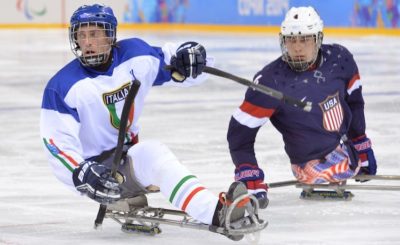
{"x":94,"y":180}
{"x":189,"y":61}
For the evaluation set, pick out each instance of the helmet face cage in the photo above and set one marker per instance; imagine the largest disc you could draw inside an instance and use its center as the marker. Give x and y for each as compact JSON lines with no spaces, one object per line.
{"x":92,"y":34}
{"x":300,"y":65}
{"x":100,"y":35}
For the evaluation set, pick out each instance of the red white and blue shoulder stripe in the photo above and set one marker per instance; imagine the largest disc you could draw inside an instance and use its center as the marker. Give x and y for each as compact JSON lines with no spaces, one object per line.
{"x":252,"y":115}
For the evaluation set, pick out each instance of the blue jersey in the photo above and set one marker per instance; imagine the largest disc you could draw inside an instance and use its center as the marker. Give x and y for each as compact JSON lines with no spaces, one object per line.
{"x":334,"y":89}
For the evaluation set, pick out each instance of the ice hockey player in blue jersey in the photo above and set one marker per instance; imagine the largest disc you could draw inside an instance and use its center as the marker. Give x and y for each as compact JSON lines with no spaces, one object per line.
{"x":329,"y":143}
{"x":81,"y":110}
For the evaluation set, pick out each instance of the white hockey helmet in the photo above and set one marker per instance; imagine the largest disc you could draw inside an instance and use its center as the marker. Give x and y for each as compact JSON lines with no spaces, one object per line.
{"x":301,"y":21}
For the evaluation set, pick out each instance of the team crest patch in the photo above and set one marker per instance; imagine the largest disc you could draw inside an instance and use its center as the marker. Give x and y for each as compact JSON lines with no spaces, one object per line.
{"x":114,"y":102}
{"x":332,"y":112}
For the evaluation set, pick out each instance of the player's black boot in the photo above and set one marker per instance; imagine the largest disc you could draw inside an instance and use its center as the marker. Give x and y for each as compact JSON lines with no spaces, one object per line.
{"x":236,"y":190}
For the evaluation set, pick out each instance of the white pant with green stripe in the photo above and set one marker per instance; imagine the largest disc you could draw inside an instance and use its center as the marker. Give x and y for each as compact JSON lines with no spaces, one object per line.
{"x":155,"y":164}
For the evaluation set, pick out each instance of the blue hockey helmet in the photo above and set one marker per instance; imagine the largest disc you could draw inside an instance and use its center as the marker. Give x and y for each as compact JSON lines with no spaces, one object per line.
{"x":97,"y":15}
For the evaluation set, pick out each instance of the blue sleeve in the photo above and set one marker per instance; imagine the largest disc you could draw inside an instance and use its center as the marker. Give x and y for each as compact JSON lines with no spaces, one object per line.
{"x":256,"y":106}
{"x":354,"y":98}
{"x":241,"y":141}
{"x":356,"y":104}
{"x":53,"y":101}
{"x":163,"y":74}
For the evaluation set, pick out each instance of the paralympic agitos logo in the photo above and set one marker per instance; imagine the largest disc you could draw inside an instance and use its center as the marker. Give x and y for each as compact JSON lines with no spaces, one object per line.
{"x":30,"y":11}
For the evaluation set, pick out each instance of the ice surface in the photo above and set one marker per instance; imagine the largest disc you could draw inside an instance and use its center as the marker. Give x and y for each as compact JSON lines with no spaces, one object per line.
{"x":36,"y":209}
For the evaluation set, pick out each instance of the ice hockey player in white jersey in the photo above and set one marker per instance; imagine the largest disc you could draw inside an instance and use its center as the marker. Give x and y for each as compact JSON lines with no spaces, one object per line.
{"x":81,"y":110}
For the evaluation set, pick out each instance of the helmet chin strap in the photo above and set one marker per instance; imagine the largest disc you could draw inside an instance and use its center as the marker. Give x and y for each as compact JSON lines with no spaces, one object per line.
{"x":300,"y":65}
{"x":94,"y":60}
{"x":98,"y":62}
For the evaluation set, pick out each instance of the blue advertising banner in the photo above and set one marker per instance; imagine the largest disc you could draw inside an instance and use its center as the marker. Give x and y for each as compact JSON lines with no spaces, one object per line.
{"x":335,"y":13}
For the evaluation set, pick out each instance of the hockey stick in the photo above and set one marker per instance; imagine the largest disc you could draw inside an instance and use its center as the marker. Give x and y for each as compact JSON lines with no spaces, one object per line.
{"x":360,"y":177}
{"x":305,"y":105}
{"x":377,"y":177}
{"x":283,"y":183}
{"x":120,"y":144}
{"x":343,"y":187}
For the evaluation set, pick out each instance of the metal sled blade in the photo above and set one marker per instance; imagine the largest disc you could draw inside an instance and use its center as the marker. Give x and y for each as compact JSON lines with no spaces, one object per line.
{"x":147,"y":220}
{"x":140,"y":228}
{"x":153,"y":217}
{"x":332,"y":191}
{"x":339,"y":191}
{"x":326,"y":195}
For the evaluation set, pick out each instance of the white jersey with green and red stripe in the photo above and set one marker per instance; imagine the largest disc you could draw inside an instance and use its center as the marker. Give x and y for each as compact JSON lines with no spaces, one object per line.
{"x":81,"y":107}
